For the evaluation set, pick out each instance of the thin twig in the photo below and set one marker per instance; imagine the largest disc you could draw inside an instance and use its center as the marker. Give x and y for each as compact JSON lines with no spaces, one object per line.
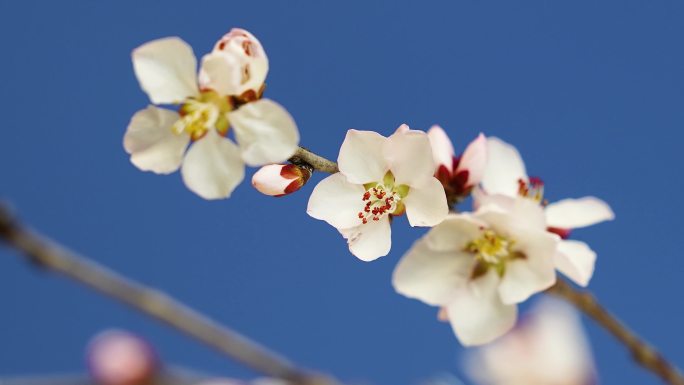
{"x":318,"y":162}
{"x":642,"y":352}
{"x":55,"y":258}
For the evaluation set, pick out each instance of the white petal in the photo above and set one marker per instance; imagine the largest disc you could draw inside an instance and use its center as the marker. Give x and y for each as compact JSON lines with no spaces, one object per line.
{"x":409,"y":156}
{"x":337,"y":201}
{"x":370,"y":241}
{"x":426,"y":205}
{"x":454,"y":233}
{"x":361,"y":158}
{"x":535,"y":273}
{"x":152,"y":144}
{"x":442,"y":148}
{"x":574,"y":213}
{"x":506,"y":214}
{"x":165,"y":69}
{"x":431,"y":276}
{"x":265,"y":131}
{"x":576,"y":260}
{"x":476,"y":313}
{"x":221,"y":73}
{"x":474,"y":159}
{"x":504,"y":168}
{"x":212,"y":168}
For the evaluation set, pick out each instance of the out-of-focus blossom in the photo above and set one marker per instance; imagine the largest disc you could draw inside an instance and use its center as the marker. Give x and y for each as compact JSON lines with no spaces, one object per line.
{"x":226,"y":95}
{"x":280,"y":179}
{"x":458,"y":174}
{"x":116,"y":357}
{"x":478,"y":266}
{"x":231,"y":381}
{"x":505,"y":176}
{"x":379,"y":177}
{"x":548,"y":347}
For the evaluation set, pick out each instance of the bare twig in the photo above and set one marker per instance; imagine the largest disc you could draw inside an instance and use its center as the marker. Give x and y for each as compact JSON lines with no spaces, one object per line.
{"x":154,"y":303}
{"x":642,"y":352}
{"x":318,"y":162}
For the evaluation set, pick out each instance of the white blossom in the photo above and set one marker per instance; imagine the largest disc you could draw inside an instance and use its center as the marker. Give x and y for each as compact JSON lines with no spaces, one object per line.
{"x":227,"y":95}
{"x":379,"y":177}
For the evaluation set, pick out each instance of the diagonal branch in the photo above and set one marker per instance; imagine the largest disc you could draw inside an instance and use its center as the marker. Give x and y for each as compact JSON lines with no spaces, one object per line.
{"x":642,"y":352}
{"x":154,"y":303}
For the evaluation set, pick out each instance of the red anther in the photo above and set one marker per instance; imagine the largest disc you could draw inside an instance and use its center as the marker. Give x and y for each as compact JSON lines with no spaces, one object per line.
{"x":365,"y":221}
{"x":360,"y":215}
{"x":536,"y":181}
{"x":366,"y":196}
{"x":376,"y":218}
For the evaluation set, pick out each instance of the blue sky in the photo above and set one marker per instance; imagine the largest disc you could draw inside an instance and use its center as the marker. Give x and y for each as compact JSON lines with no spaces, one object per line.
{"x":590,"y":92}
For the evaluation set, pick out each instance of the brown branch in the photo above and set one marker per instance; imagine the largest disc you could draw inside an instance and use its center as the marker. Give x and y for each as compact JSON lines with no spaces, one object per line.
{"x":149,"y":301}
{"x":642,"y":352}
{"x":317,"y":162}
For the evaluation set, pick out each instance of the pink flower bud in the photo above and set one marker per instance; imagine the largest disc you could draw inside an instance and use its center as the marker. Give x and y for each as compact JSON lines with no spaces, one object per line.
{"x":280,"y":179}
{"x":117,"y":357}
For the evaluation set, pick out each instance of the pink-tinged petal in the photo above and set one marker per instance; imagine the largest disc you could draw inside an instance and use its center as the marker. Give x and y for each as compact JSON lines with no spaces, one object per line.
{"x":337,"y":202}
{"x":265,"y":132}
{"x":454,"y":233}
{"x":165,"y":69}
{"x":152,"y":144}
{"x":279,"y":179}
{"x":432,"y":276}
{"x":477,"y":314}
{"x":237,"y":64}
{"x":474,"y":160}
{"x":504,"y":168}
{"x":409,"y":157}
{"x":212,"y":168}
{"x":370,"y":241}
{"x":533,"y":273}
{"x":117,"y":357}
{"x":575,"y":213}
{"x":361,"y":158}
{"x":442,"y":148}
{"x":576,"y":260}
{"x":426,"y":205}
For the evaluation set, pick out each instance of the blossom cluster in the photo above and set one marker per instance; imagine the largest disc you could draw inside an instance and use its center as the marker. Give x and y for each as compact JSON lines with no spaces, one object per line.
{"x":475,"y":266}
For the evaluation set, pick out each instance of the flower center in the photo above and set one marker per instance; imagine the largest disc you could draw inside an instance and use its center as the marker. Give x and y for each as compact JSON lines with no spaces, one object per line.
{"x":200,"y":114}
{"x":382,"y":198}
{"x":492,"y":250}
{"x":534,"y":189}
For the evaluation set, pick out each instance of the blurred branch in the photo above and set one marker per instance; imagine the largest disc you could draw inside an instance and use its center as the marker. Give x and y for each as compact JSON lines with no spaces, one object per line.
{"x":318,"y":162}
{"x":642,"y":352}
{"x":46,"y":254}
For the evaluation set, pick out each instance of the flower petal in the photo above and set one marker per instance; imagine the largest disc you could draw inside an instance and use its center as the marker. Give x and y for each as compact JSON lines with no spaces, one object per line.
{"x":265,"y":131}
{"x":477,"y":314}
{"x":409,"y":156}
{"x":212,"y":168}
{"x":152,"y":144}
{"x":442,"y":148}
{"x":361,"y":158}
{"x":431,"y":276}
{"x":504,"y":168}
{"x":474,"y":159}
{"x":426,"y":205}
{"x":370,"y":241}
{"x":576,"y":260}
{"x":454,"y":233}
{"x":337,"y":201}
{"x":574,"y":213}
{"x":534,"y":273}
{"x":506,"y":214}
{"x":236,"y":65}
{"x":165,"y":69}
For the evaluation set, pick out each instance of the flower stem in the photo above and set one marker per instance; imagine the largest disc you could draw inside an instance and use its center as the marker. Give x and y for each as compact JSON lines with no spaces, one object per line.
{"x":642,"y":352}
{"x":317,"y":162}
{"x":154,"y":303}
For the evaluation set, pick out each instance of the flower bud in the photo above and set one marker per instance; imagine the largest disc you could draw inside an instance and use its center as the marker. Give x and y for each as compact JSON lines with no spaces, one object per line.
{"x":237,"y":66}
{"x":280,"y":179}
{"x":117,"y":357}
